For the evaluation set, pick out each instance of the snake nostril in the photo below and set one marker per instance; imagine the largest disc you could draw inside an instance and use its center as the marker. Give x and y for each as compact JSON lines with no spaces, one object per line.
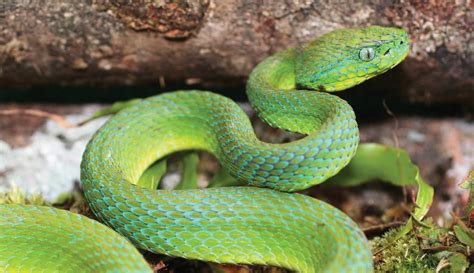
{"x":387,"y":52}
{"x":401,"y":42}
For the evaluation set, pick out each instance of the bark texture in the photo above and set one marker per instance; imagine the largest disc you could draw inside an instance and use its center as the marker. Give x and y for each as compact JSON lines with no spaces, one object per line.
{"x":213,"y":43}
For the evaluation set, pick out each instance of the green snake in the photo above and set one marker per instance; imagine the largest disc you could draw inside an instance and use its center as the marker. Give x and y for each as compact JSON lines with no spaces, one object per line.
{"x":265,"y":224}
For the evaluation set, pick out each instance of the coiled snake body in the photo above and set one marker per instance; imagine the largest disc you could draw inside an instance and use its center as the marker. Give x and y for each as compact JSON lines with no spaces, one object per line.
{"x":249,"y":225}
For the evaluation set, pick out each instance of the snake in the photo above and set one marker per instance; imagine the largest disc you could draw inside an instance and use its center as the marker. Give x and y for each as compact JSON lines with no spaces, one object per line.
{"x":265,"y":222}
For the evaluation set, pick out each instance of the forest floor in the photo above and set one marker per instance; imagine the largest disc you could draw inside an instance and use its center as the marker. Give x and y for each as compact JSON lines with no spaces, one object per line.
{"x":42,"y":156}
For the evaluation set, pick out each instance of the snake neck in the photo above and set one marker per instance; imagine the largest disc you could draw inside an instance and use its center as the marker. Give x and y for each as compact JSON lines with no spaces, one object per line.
{"x":273,"y":92}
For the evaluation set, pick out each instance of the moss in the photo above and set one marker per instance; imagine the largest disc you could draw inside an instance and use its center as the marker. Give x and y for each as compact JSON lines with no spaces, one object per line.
{"x":17,"y":196}
{"x":427,"y":248}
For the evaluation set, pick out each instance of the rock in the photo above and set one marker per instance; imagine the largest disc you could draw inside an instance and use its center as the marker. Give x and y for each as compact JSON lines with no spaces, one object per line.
{"x":47,"y":162}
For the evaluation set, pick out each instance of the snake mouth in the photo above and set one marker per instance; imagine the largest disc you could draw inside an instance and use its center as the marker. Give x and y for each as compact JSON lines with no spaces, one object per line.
{"x":397,"y":52}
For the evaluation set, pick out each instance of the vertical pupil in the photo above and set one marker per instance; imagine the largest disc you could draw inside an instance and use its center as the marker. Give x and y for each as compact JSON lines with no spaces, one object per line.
{"x":366,"y":54}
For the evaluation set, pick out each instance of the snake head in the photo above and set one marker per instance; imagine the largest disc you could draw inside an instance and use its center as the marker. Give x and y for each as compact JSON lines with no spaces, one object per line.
{"x":346,"y":57}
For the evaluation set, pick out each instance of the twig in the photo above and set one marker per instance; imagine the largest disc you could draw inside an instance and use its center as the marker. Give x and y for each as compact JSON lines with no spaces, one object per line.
{"x":382,"y":227}
{"x":390,"y":113}
{"x":395,"y":137}
{"x":60,"y":120}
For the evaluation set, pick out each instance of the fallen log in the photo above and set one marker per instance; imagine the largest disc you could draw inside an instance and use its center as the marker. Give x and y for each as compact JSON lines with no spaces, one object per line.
{"x":213,"y":44}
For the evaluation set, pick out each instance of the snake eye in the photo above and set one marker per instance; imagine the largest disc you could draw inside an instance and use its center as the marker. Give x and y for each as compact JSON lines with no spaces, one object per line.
{"x":366,"y":54}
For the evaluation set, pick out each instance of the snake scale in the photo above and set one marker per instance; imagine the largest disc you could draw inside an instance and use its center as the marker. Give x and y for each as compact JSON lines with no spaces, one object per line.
{"x":266,"y":224}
